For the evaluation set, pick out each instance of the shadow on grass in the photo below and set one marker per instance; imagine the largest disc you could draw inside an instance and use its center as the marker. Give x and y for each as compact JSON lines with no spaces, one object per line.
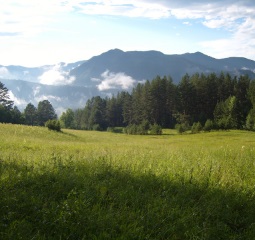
{"x":100,"y":202}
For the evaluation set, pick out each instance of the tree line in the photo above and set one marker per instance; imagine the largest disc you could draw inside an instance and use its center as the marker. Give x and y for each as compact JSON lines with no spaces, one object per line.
{"x":34,"y":116}
{"x":210,"y":101}
{"x":197,"y":102}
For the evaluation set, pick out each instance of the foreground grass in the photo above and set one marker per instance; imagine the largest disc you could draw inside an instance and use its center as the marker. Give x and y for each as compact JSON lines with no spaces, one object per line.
{"x":92,"y":185}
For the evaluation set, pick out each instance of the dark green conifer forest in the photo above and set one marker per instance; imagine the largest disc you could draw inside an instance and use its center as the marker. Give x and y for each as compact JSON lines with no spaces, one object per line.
{"x":212,"y":101}
{"x":197,"y":102}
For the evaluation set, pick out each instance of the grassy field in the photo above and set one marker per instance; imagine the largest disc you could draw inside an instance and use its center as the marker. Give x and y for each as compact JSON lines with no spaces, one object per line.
{"x":99,"y":185}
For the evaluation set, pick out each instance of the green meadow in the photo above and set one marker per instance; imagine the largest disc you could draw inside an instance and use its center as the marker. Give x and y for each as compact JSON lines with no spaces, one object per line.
{"x":101,"y":185}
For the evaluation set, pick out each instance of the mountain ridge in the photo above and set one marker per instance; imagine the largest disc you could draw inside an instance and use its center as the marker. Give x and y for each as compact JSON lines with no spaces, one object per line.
{"x":108,"y":73}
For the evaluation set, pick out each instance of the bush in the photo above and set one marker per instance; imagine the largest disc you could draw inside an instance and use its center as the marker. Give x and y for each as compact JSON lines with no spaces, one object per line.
{"x":96,"y":127}
{"x":208,"y":125}
{"x":143,"y":129}
{"x":131,"y":129}
{"x":53,"y":125}
{"x":155,"y":129}
{"x":181,"y":128}
{"x":115,"y":129}
{"x":250,"y":120}
{"x":196,"y":127}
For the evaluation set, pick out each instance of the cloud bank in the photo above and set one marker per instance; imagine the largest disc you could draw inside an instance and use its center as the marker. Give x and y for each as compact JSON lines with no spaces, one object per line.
{"x":112,"y":80}
{"x":56,"y":76}
{"x":21,"y":103}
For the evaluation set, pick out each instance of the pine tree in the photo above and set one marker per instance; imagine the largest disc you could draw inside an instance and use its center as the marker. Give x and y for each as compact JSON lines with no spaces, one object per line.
{"x":45,"y":112}
{"x":30,"y":114}
{"x":4,"y":97}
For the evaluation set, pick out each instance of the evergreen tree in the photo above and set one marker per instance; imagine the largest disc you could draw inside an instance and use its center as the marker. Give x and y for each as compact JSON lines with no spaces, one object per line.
{"x":5,"y":105}
{"x":45,"y":112}
{"x":250,"y":120}
{"x":137,"y":105}
{"x":187,"y":96}
{"x":79,"y":119}
{"x":5,"y":114}
{"x":5,"y":98}
{"x":67,"y":118}
{"x":127,"y":108}
{"x":30,"y":114}
{"x":95,"y":114}
{"x":162,"y":101}
{"x":206,"y":96}
{"x":243,"y":101}
{"x":16,"y":116}
{"x":225,"y":87}
{"x":225,"y":113}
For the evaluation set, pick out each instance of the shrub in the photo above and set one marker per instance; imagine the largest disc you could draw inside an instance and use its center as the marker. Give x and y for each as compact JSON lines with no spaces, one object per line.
{"x":155,"y":129}
{"x":53,"y":125}
{"x":196,"y":127}
{"x":141,"y":129}
{"x":131,"y":129}
{"x":208,"y":125}
{"x":181,"y":128}
{"x":96,"y":127}
{"x":250,"y":120}
{"x":115,"y":129}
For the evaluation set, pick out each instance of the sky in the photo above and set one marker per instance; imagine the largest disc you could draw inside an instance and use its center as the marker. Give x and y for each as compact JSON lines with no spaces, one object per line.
{"x":40,"y":32}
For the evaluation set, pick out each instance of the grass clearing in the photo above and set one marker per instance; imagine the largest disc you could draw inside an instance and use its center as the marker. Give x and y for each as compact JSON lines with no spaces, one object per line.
{"x":101,"y":185}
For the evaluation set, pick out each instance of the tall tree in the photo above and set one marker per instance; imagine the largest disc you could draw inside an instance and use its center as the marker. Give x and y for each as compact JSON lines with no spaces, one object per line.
{"x":244,"y":103}
{"x":95,"y":114}
{"x":16,"y":116}
{"x":225,"y":113}
{"x":127,"y":108}
{"x":30,"y":114}
{"x":137,"y":104}
{"x":225,"y":86}
{"x":67,"y":118}
{"x":45,"y":112}
{"x":4,"y":97}
{"x":5,"y":105}
{"x":187,"y":96}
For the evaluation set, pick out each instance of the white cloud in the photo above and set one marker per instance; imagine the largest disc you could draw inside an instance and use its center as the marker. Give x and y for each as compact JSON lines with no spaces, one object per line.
{"x":36,"y":90}
{"x":236,"y":17}
{"x":4,"y":73}
{"x":187,"y":23}
{"x":23,"y":22}
{"x":56,"y":76}
{"x":131,"y":8}
{"x":17,"y":101}
{"x":115,"y":80}
{"x":27,"y":17}
{"x":16,"y":15}
{"x":241,"y":43}
{"x":48,"y":97}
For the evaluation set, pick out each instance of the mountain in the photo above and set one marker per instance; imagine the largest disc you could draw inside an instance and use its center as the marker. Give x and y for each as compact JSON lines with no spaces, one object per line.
{"x":147,"y":65}
{"x":71,"y":85}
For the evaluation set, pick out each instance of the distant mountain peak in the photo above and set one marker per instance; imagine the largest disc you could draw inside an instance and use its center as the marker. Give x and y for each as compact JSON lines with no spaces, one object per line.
{"x":114,"y":70}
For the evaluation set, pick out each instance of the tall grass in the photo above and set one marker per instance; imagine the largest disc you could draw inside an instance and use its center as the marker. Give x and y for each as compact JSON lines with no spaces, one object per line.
{"x":98,"y":185}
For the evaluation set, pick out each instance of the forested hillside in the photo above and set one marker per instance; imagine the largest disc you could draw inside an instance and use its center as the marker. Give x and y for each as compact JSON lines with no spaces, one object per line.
{"x":226,"y":102}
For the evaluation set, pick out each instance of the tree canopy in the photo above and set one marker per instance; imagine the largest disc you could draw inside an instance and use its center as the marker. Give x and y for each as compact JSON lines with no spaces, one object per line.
{"x":218,"y":100}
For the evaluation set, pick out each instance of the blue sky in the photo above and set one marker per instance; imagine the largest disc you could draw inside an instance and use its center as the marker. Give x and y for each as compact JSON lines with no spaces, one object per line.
{"x":39,"y":32}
